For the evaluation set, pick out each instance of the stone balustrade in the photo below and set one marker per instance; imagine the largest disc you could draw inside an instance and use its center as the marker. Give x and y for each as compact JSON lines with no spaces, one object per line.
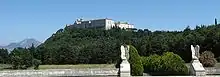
{"x":60,"y":72}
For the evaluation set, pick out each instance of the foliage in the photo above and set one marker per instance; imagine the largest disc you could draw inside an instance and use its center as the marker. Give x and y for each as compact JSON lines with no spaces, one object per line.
{"x":207,"y":59}
{"x":36,"y":63}
{"x":4,"y":56}
{"x":98,"y":46}
{"x":15,"y":61}
{"x":82,"y":46}
{"x":167,"y":64}
{"x":22,"y":58}
{"x":135,"y":61}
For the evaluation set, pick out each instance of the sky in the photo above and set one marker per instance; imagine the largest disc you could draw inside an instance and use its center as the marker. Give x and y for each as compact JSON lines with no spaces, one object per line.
{"x":39,"y":19}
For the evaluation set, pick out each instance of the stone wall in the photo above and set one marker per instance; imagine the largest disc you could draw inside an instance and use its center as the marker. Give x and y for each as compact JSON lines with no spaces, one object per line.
{"x":60,"y":72}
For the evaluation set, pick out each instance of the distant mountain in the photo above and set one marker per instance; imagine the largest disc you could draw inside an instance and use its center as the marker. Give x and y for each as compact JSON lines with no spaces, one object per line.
{"x":26,"y":43}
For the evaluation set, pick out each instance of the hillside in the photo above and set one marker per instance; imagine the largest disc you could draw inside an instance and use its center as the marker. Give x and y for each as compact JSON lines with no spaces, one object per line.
{"x":79,"y":46}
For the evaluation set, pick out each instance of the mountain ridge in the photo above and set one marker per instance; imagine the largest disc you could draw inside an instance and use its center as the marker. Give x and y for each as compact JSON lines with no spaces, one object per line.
{"x":26,"y":43}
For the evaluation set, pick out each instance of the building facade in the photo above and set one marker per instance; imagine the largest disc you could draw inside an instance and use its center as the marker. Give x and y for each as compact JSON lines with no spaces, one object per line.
{"x":100,"y":23}
{"x":124,"y":25}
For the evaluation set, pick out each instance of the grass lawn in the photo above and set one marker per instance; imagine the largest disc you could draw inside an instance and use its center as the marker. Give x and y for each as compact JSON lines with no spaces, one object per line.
{"x":4,"y":66}
{"x":41,"y":67}
{"x":217,"y":65}
{"x":77,"y":66}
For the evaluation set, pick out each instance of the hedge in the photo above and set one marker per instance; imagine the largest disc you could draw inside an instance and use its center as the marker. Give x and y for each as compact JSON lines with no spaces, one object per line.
{"x":167,"y":64}
{"x":135,"y":62}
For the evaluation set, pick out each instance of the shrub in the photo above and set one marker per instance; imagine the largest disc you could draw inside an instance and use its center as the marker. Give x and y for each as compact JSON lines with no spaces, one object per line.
{"x":167,"y":64}
{"x":135,"y":61}
{"x":36,"y":63}
{"x":16,"y":62}
{"x":152,"y":61}
{"x":174,"y":64}
{"x":20,"y":58}
{"x":207,"y":59}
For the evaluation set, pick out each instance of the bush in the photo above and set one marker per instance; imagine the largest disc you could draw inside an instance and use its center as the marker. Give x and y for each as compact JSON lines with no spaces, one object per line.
{"x":207,"y":59}
{"x":22,"y":58}
{"x":174,"y":64}
{"x":36,"y":63}
{"x":152,"y":61}
{"x":135,"y":61}
{"x":167,"y":64}
{"x":16,"y":62}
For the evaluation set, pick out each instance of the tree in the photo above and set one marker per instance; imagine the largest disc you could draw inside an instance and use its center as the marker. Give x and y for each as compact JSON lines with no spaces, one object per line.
{"x":21,"y":58}
{"x":135,"y":61}
{"x":4,"y":56}
{"x":36,"y":63}
{"x":32,"y":50}
{"x":216,"y":22}
{"x":187,"y":29}
{"x":81,"y":46}
{"x":16,"y":62}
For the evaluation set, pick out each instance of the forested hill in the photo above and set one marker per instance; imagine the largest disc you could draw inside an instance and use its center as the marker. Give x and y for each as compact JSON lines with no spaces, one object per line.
{"x":79,"y":46}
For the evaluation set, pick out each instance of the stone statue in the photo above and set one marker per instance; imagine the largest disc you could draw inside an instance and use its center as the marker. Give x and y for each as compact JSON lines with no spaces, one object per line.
{"x":127,"y":52}
{"x":123,"y":57}
{"x":125,"y":68}
{"x":195,"y":52}
{"x":124,"y":52}
{"x":196,"y":68}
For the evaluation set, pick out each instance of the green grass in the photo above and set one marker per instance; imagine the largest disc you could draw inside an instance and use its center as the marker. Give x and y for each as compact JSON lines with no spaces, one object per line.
{"x":4,"y":66}
{"x":42,"y":67}
{"x":76,"y":66}
{"x":217,"y":65}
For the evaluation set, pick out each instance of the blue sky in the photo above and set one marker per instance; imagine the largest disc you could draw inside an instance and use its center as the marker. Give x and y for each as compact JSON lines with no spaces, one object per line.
{"x":20,"y":19}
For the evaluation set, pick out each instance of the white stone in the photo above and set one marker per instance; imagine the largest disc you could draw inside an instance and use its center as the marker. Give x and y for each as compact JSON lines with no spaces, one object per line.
{"x":60,"y":72}
{"x":197,"y":51}
{"x":193,"y":53}
{"x":123,"y":57}
{"x":125,"y":66}
{"x":125,"y":69}
{"x":196,"y":67}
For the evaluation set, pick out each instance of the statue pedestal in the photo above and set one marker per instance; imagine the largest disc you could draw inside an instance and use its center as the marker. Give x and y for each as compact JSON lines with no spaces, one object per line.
{"x":125,"y":69}
{"x":196,"y":68}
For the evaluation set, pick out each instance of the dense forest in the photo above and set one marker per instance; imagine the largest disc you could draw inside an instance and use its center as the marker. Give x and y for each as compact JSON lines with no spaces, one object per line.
{"x":98,"y":46}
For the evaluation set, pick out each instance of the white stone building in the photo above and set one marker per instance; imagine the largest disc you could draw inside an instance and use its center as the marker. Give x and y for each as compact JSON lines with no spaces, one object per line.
{"x":100,"y":23}
{"x":124,"y":25}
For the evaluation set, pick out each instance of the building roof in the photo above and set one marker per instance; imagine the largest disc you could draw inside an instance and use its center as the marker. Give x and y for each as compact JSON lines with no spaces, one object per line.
{"x":96,"y":19}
